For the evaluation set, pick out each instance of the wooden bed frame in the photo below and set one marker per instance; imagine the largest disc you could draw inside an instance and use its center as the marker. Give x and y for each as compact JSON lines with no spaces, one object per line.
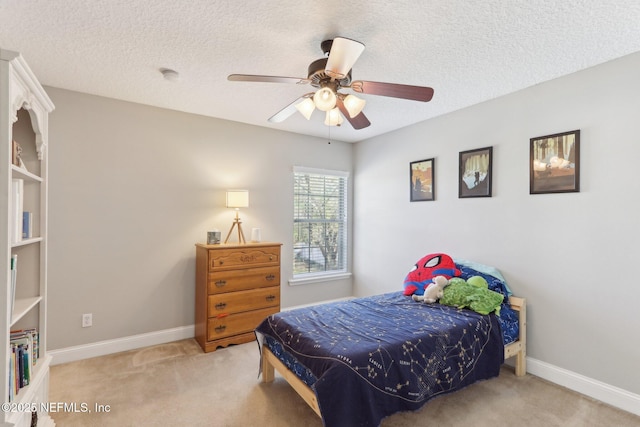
{"x":270,"y":363}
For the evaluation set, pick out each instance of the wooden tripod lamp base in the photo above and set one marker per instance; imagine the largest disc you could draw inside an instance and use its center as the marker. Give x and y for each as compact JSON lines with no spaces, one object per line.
{"x":237,"y":199}
{"x":236,"y":222}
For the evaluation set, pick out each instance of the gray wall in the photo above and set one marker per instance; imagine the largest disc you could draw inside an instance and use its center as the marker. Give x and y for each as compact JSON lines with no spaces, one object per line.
{"x":133,"y":188}
{"x":573,"y":256}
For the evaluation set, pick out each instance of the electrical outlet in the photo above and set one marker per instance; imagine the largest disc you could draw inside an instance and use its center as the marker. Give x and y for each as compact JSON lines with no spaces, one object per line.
{"x":87,"y":320}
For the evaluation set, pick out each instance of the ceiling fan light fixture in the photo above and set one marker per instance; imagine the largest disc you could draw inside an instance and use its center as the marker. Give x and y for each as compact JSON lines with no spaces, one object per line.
{"x":328,"y":76}
{"x":343,"y":54}
{"x":306,"y":107}
{"x":333,"y":118}
{"x":324,"y":99}
{"x":354,"y":105}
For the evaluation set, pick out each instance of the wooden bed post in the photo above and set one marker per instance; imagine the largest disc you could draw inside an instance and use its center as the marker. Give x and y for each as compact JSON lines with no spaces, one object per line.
{"x":268,"y":372}
{"x":521,"y":358}
{"x":519,"y":348}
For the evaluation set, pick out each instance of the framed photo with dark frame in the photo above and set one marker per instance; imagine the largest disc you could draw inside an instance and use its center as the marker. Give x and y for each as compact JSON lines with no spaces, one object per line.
{"x":474,"y":172}
{"x":422,"y":180}
{"x":554,"y":163}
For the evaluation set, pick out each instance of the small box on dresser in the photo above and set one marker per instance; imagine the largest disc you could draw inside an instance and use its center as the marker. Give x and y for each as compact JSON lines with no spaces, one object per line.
{"x":237,"y":286}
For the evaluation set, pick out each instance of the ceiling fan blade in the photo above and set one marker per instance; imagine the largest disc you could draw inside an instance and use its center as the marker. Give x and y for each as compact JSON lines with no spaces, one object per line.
{"x":414,"y":93}
{"x":266,"y":79}
{"x":344,"y":53}
{"x":358,"y":122}
{"x":288,"y":111}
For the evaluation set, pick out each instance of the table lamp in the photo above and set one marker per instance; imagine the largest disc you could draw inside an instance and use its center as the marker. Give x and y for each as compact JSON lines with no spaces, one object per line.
{"x":237,"y":199}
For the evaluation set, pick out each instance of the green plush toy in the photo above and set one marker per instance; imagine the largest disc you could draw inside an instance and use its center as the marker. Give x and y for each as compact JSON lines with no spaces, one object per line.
{"x":473,"y":293}
{"x":478,"y":281}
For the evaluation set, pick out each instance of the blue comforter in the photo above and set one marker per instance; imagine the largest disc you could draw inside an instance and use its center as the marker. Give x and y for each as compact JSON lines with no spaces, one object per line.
{"x":371,"y":357}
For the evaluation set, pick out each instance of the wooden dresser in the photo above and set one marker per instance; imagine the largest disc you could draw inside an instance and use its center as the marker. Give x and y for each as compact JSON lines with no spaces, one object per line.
{"x":237,"y":286}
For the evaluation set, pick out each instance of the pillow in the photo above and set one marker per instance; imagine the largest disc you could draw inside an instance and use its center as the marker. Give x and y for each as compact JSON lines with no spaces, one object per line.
{"x":492,"y":275}
{"x":461,"y":294}
{"x":486,"y":269}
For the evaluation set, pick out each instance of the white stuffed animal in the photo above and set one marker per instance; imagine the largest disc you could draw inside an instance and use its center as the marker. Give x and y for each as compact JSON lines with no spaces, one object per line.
{"x":434,"y":291}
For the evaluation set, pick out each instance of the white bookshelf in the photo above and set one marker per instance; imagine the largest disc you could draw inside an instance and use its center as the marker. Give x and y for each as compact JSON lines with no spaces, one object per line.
{"x":24,"y":110}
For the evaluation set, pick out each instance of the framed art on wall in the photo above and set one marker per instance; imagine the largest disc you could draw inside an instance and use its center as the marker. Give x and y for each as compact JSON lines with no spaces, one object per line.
{"x":422,"y":177}
{"x":554,"y":163}
{"x":474,"y":173}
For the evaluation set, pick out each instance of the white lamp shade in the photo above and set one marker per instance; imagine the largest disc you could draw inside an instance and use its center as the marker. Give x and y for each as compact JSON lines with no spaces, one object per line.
{"x":354,"y":105}
{"x":324,"y":99}
{"x":306,"y":107}
{"x":333,"y":118}
{"x":237,"y":198}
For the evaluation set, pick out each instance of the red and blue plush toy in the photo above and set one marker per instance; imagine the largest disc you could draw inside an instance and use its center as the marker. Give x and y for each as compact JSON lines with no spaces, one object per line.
{"x":428,"y":267}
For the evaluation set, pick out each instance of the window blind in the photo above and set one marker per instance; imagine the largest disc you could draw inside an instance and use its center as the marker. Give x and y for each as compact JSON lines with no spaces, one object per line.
{"x":320,"y":221}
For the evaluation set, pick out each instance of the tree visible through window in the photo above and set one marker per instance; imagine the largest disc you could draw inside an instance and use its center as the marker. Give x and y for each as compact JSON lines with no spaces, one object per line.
{"x":319,"y":221}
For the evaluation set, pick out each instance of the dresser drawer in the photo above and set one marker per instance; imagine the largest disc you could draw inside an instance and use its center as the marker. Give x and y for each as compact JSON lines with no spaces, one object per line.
{"x":239,"y":280}
{"x":237,"y":302}
{"x":233,"y":324}
{"x":246,"y":257}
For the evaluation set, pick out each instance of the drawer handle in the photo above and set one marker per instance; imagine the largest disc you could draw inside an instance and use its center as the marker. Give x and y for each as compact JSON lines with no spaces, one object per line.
{"x":270,"y":298}
{"x":271,"y":258}
{"x":269,"y":277}
{"x":221,"y":262}
{"x":221,"y":305}
{"x":221,"y":328}
{"x":221,"y":283}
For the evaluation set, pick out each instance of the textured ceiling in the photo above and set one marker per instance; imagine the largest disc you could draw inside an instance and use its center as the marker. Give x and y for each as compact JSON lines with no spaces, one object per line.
{"x":468,"y":51}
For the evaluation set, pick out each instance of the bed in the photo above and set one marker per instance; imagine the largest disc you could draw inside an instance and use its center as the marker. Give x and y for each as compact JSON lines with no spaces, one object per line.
{"x":358,"y":361}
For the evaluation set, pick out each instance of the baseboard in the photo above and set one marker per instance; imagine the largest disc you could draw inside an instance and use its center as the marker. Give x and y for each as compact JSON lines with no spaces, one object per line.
{"x":102,"y":348}
{"x":603,"y":392}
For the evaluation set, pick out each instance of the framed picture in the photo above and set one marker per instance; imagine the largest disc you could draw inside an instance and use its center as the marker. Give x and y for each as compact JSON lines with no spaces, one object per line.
{"x":422,"y":177}
{"x":554,"y":165}
{"x":474,"y":173}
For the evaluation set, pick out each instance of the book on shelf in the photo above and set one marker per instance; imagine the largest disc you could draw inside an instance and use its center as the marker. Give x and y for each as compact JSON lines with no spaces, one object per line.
{"x":12,"y":375}
{"x":24,"y":346}
{"x":27,"y":225}
{"x":17,"y":203}
{"x":14,"y":276}
{"x":33,"y":335}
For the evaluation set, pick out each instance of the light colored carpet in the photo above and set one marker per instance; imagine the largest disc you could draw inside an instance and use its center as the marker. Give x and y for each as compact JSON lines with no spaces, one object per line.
{"x":176,"y":384}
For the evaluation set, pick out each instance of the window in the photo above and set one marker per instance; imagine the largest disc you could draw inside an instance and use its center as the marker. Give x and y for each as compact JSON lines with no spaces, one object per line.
{"x":319,"y":222}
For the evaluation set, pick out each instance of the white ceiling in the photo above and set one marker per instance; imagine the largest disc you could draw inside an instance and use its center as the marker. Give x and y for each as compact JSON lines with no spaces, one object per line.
{"x":468,"y":51}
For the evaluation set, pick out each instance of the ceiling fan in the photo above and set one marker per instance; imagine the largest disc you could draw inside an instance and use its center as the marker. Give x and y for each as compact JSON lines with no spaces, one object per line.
{"x":329,"y":75}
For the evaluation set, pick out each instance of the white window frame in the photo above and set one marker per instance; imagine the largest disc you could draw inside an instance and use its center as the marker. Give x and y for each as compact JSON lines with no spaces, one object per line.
{"x":335,"y":274}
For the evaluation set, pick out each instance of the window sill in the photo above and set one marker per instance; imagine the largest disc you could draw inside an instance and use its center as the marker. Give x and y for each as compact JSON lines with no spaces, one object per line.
{"x":317,"y":278}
